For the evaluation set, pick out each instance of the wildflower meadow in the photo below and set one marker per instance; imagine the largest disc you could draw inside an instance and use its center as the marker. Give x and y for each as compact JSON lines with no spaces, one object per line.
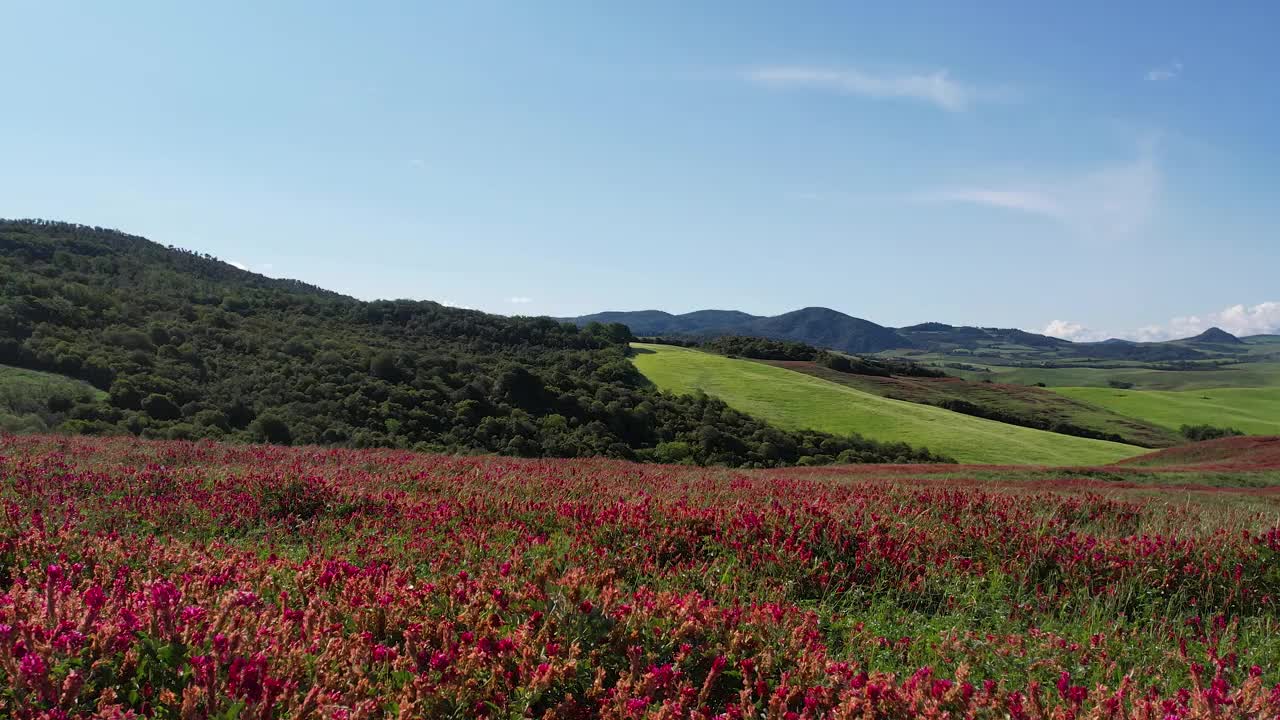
{"x":200,"y":580}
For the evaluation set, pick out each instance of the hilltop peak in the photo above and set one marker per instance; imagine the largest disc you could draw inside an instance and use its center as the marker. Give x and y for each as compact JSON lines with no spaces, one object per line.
{"x":1217,"y":336}
{"x":929,"y":327}
{"x":817,"y":310}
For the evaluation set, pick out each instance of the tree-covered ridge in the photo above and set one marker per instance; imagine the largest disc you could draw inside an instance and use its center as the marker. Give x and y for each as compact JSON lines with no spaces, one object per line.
{"x":187,"y":346}
{"x":760,"y":348}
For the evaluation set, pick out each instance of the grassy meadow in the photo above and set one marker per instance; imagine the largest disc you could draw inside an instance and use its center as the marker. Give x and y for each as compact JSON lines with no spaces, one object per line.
{"x":794,"y":400}
{"x":1253,"y":410}
{"x":25,"y":396}
{"x":1024,"y":405}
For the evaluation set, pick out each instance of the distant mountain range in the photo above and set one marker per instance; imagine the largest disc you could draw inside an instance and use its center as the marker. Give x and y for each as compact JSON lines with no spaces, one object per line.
{"x":818,"y":326}
{"x":827,"y":328}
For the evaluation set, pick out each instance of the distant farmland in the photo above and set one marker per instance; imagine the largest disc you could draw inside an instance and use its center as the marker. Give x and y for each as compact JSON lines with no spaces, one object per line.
{"x":1145,"y":378}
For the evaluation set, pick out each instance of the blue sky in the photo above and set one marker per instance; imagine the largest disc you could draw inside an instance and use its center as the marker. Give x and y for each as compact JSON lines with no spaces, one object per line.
{"x":1096,"y":168}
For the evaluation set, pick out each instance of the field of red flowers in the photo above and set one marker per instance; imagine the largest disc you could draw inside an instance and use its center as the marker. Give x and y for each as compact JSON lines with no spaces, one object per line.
{"x":197,"y":580}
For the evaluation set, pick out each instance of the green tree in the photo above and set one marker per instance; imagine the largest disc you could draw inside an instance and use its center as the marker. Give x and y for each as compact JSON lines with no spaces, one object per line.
{"x":271,"y":429}
{"x":161,"y":407}
{"x":385,"y":366}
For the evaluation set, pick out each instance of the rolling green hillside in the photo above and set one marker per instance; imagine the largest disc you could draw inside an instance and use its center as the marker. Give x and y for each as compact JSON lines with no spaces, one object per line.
{"x":1254,"y":410}
{"x":1033,"y":407}
{"x":188,"y":347}
{"x":793,"y":400}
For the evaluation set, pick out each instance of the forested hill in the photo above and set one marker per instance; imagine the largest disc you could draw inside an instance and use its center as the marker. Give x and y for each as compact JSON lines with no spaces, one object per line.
{"x":187,"y":346}
{"x":819,"y":326}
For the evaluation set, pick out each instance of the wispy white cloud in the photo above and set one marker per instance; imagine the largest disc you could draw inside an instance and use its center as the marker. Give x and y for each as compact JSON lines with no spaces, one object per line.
{"x":520,"y":300}
{"x":1165,"y":72}
{"x":1109,"y":202}
{"x":1240,"y":320}
{"x":452,"y":304}
{"x":1024,"y":199}
{"x":263,"y":269}
{"x":936,"y":88}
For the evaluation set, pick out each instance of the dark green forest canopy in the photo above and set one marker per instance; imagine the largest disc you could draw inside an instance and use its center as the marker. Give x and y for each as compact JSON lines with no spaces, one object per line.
{"x":187,"y":346}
